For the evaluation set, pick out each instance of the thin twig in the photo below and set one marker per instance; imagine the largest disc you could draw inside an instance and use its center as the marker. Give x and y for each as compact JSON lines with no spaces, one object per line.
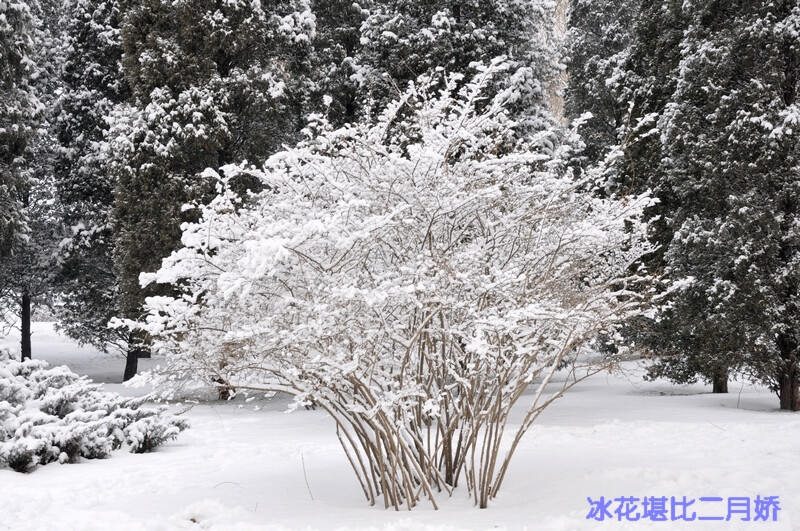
{"x":303,"y":461}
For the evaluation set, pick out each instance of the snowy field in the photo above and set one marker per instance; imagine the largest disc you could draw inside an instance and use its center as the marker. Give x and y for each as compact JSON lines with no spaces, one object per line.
{"x":242,"y":468}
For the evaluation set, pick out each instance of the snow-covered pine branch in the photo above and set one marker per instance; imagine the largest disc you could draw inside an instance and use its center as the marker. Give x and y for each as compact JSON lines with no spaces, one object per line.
{"x":411,"y":285}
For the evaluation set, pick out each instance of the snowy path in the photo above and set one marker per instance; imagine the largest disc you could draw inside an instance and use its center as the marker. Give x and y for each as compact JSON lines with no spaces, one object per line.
{"x":237,"y":468}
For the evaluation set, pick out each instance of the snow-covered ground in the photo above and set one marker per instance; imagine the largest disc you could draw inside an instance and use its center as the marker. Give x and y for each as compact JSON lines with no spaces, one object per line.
{"x":239,"y":468}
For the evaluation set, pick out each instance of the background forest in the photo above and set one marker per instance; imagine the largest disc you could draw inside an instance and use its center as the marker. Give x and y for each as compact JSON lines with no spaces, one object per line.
{"x":407,"y":206}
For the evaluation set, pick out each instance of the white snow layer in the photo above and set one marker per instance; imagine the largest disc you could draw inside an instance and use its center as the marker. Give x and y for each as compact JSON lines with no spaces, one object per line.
{"x":239,"y":468}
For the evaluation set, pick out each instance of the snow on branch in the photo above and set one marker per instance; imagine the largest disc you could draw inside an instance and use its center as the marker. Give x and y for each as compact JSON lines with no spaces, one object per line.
{"x":51,"y":414}
{"x":413,"y":278}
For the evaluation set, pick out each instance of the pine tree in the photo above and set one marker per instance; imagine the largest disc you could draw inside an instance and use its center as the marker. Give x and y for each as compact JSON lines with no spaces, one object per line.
{"x":733,"y":164}
{"x":624,"y":59}
{"x":19,"y":107}
{"x":404,"y":39}
{"x":28,"y":272}
{"x":623,"y":66}
{"x":648,"y":86}
{"x":92,"y":85}
{"x":212,"y":84}
{"x":332,"y":66}
{"x":30,"y":54}
{"x":599,"y":38}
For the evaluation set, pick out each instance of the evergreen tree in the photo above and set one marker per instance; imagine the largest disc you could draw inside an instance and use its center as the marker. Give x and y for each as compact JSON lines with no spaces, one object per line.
{"x":732,"y":146}
{"x":30,"y":232}
{"x":28,"y":272}
{"x":332,"y":68}
{"x":92,"y":85}
{"x":623,"y":66}
{"x":19,"y":107}
{"x":598,"y":43}
{"x":647,"y":88}
{"x":404,"y":39}
{"x":212,"y":84}
{"x":624,"y":59}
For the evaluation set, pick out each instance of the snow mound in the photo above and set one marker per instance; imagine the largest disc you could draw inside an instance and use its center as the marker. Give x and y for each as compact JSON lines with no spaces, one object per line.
{"x":52,"y":414}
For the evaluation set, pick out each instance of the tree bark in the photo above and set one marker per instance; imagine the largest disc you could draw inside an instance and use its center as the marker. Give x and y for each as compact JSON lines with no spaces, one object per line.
{"x":225,"y":392}
{"x":131,"y":363}
{"x":25,"y":328}
{"x":137,"y":348}
{"x":789,"y":392}
{"x":720,"y":383}
{"x":789,"y":379}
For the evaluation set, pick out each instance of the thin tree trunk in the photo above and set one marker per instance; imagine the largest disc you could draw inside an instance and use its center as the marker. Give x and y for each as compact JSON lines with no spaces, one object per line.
{"x":720,"y":383}
{"x":137,"y":348}
{"x":25,"y":304}
{"x":131,"y":363}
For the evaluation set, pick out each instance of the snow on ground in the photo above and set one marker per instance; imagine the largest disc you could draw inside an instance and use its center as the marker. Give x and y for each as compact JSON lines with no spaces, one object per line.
{"x":242,"y":469}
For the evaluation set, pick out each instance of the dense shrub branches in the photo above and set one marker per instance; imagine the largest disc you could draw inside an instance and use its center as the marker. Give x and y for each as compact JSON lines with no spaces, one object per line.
{"x":411,"y":285}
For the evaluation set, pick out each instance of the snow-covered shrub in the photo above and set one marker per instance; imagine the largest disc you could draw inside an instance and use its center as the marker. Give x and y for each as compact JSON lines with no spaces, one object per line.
{"x":51,"y":414}
{"x":413,"y":278}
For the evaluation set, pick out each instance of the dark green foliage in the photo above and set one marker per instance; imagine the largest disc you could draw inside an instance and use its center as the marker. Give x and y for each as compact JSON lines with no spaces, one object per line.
{"x":598,"y":43}
{"x":404,"y":39}
{"x":212,"y":84}
{"x":154,"y":93}
{"x":333,"y":69}
{"x":646,"y":89}
{"x":19,"y":109}
{"x":708,"y":91}
{"x":732,"y":164}
{"x":29,"y":228}
{"x":92,"y":85}
{"x":623,"y":63}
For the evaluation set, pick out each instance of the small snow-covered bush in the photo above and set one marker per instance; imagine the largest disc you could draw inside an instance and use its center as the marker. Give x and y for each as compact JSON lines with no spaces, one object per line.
{"x":51,"y":414}
{"x":413,"y":278}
